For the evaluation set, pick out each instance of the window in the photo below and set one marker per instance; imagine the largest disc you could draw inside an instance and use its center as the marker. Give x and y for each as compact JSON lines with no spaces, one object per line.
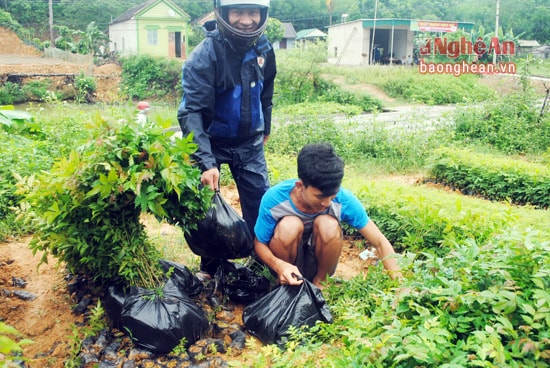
{"x":152,"y":36}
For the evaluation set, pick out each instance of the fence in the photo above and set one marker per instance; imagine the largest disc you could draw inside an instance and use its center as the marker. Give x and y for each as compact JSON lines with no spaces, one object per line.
{"x":55,"y":53}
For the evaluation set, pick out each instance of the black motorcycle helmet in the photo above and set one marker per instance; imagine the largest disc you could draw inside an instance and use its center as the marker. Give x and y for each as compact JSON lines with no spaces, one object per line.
{"x":240,"y":39}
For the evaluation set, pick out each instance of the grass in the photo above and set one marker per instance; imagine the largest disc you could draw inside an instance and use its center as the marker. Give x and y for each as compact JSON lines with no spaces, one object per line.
{"x":536,"y":67}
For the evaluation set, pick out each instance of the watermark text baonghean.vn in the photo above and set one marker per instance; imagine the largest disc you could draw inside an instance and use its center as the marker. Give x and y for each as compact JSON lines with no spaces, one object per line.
{"x":464,"y":47}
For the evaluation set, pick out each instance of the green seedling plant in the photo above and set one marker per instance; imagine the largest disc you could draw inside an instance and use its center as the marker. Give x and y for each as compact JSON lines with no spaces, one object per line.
{"x":87,"y":208}
{"x":493,"y":177}
{"x":96,"y":323}
{"x":11,"y":346}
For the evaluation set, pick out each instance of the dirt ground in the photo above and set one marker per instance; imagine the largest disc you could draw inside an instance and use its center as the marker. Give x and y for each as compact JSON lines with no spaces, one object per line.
{"x":16,"y":58}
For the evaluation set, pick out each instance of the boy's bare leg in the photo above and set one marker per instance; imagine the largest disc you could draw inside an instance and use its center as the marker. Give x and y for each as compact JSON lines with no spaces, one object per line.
{"x":328,"y":240}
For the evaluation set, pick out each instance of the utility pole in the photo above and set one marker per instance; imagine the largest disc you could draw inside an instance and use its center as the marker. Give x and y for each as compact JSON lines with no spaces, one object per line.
{"x":330,"y":7}
{"x":50,"y":8}
{"x":496,"y":31}
{"x":371,"y":51}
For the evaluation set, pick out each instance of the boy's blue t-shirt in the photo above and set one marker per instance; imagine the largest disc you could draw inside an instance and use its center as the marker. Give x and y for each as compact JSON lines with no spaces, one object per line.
{"x":276,"y":204}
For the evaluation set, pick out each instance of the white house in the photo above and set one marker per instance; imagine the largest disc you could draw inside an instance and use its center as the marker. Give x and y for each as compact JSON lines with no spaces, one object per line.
{"x":370,"y":41}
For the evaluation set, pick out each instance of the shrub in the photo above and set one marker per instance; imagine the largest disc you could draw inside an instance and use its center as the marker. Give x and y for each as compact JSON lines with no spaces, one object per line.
{"x":85,"y":87}
{"x":87,"y":208}
{"x":493,"y":177}
{"x":37,"y":90}
{"x":151,"y":77}
{"x":11,"y":93}
{"x":420,"y":219}
{"x":23,"y":152}
{"x":512,"y":124}
{"x":480,"y":305}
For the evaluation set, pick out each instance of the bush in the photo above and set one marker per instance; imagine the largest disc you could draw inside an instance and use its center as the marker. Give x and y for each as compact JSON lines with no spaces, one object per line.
{"x":418,"y":219}
{"x":38,"y":90}
{"x":11,"y":93}
{"x":87,"y":208}
{"x":493,"y":177}
{"x":24,"y":152}
{"x":480,"y":305}
{"x":151,"y":77}
{"x":85,"y":87}
{"x":512,"y":125}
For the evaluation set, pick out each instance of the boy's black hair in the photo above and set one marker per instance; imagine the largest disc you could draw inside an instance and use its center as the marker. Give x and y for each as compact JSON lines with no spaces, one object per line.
{"x":320,"y":167}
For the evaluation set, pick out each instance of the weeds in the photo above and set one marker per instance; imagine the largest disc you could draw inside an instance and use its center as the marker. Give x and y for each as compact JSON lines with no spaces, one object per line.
{"x":95,"y":324}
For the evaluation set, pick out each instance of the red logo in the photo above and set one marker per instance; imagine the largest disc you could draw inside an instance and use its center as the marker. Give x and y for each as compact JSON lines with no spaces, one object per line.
{"x":261,"y":61}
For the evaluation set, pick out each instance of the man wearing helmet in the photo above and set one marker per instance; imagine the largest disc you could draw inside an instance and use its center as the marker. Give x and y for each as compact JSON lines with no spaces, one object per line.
{"x":228,"y":88}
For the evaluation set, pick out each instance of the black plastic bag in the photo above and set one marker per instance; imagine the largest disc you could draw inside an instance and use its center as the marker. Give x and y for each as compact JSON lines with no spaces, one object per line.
{"x":158,"y":323}
{"x":239,"y":283}
{"x":183,"y":278}
{"x":270,"y":317}
{"x":114,"y":299}
{"x":116,"y":294}
{"x":221,"y":234}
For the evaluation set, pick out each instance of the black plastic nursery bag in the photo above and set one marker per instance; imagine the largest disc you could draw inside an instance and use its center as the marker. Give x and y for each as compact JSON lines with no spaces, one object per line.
{"x":240,"y":283}
{"x":270,"y":317}
{"x":183,"y":278}
{"x":221,"y":234}
{"x":158,"y":323}
{"x":115,"y":296}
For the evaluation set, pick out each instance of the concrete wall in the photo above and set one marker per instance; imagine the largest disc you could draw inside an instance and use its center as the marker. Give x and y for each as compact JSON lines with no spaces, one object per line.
{"x":348,"y":43}
{"x":123,"y":37}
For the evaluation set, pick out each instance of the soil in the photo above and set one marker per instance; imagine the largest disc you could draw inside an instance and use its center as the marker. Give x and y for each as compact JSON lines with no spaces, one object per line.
{"x":26,"y":62}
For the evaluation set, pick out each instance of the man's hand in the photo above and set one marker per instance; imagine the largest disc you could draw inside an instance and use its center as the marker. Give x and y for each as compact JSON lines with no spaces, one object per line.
{"x":211,"y":178}
{"x":288,"y":274}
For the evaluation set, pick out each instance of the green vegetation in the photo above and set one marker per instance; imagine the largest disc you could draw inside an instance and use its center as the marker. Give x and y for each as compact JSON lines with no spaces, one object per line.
{"x":475,"y":291}
{"x":85,"y":86}
{"x":513,"y":124}
{"x":11,"y":346}
{"x":151,"y":77}
{"x":407,"y":84}
{"x":495,"y":178}
{"x":86,"y":209}
{"x":95,"y":324}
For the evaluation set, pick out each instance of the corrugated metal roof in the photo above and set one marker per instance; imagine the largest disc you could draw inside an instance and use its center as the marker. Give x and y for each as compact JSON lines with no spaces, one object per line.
{"x":528,"y":43}
{"x":310,"y":33}
{"x":290,"y":32}
{"x":130,"y":13}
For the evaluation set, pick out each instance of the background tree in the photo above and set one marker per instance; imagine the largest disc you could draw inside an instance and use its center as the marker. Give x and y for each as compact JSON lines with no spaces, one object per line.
{"x":80,"y":13}
{"x":195,"y":8}
{"x":303,"y":14}
{"x":275,"y":30}
{"x":528,"y":17}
